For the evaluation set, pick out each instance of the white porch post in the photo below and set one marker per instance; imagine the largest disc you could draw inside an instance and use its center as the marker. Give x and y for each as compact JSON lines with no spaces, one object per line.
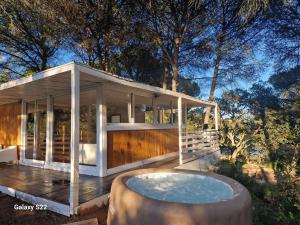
{"x":101,"y":132}
{"x":131,"y":109}
{"x":179,"y":105}
{"x":132,"y":115}
{"x":35,"y":131}
{"x":216,"y":117}
{"x":49,"y":131}
{"x":74,"y":165}
{"x":23,"y":130}
{"x":185,"y":125}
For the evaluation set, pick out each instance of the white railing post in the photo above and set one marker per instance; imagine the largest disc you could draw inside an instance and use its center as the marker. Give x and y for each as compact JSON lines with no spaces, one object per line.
{"x":179,"y":105}
{"x":216,"y":117}
{"x":74,"y":165}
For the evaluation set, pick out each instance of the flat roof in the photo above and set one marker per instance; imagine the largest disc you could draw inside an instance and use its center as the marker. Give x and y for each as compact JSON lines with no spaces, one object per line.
{"x":56,"y":81}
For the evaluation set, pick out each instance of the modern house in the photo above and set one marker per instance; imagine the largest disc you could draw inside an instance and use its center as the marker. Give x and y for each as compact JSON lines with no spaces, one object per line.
{"x":83,"y":121}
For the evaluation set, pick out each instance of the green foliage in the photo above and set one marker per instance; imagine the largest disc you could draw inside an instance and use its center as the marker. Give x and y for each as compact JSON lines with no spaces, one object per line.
{"x":3,"y":78}
{"x":285,"y":80}
{"x":272,"y":203}
{"x":267,"y":118}
{"x":234,"y":137}
{"x":29,"y":35}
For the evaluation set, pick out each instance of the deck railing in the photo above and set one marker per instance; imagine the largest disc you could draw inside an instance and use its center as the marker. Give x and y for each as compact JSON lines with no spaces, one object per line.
{"x":196,"y":144}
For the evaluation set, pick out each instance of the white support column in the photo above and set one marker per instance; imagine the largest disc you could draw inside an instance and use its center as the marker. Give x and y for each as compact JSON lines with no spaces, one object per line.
{"x":179,"y":105}
{"x":131,"y":109}
{"x":132,"y":115}
{"x":101,"y":132}
{"x":74,"y":165}
{"x":49,"y":131}
{"x":23,"y":130}
{"x":185,"y":125}
{"x":35,"y":131}
{"x":216,"y":117}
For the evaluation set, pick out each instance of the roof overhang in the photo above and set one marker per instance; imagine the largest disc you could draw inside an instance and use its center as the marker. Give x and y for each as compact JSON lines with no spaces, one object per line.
{"x":57,"y":81}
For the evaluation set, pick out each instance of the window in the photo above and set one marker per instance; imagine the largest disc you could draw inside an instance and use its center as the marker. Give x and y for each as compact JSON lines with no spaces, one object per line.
{"x":153,"y":110}
{"x":117,"y":104}
{"x":144,"y":109}
{"x":41,"y":128}
{"x":61,"y":129}
{"x":88,"y":148}
{"x":30,"y":130}
{"x":36,"y":130}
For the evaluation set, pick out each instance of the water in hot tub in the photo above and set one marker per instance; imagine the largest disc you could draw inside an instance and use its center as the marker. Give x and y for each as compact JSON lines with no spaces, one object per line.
{"x":180,"y":187}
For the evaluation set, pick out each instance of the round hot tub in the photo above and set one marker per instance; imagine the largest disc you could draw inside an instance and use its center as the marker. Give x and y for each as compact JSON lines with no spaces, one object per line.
{"x":177,"y":197}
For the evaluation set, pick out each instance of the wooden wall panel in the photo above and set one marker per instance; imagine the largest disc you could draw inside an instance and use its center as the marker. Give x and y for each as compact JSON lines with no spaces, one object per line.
{"x":125,"y":147}
{"x":10,"y":123}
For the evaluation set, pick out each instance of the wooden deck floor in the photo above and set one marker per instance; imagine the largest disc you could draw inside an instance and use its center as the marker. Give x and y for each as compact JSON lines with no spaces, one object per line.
{"x":54,"y":185}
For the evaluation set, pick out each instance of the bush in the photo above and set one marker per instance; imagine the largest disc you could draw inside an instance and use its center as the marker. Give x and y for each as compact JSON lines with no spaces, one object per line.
{"x":272,"y":204}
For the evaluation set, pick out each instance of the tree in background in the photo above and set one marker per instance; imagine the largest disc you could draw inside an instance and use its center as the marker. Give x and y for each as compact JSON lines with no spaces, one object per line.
{"x":94,"y":30}
{"x":234,"y":42}
{"x":268,"y":116}
{"x":180,"y":31}
{"x":29,"y":36}
{"x":284,"y":33}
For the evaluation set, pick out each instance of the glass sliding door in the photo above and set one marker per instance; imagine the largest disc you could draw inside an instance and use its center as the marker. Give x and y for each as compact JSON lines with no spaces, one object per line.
{"x":87,"y":148}
{"x":36,"y":130}
{"x":87,"y":132}
{"x":41,"y":128}
{"x":62,"y":129}
{"x":30,"y":130}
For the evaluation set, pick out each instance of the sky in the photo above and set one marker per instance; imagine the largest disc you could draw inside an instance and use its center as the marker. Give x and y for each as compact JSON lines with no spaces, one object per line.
{"x":263,"y":76}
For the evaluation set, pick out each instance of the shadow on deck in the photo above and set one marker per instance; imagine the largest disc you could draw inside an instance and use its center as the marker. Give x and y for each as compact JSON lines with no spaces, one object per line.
{"x":49,"y":187}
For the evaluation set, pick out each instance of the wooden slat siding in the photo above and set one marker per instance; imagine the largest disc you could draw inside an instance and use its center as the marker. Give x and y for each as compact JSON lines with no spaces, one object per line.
{"x":60,"y":144}
{"x":61,"y":148}
{"x":10,"y":124}
{"x":124,"y":147}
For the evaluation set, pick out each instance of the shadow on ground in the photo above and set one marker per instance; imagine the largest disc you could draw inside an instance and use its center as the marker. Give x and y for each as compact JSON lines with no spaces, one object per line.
{"x":10,"y":216}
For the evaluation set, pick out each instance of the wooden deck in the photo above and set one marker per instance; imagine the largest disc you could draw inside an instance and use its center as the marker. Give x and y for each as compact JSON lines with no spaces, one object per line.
{"x":54,"y":185}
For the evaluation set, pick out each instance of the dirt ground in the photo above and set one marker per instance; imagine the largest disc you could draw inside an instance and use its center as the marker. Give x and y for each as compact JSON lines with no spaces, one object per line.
{"x":261,"y":174}
{"x":10,"y":216}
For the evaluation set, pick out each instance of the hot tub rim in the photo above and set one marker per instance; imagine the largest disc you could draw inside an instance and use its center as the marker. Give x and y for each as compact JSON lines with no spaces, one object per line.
{"x":239,"y":191}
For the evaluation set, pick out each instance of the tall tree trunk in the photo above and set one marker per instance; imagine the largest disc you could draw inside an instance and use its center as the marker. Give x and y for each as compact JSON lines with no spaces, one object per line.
{"x":175,"y":66}
{"x":265,"y":129}
{"x":175,"y":78}
{"x":213,"y":87}
{"x":44,"y":62}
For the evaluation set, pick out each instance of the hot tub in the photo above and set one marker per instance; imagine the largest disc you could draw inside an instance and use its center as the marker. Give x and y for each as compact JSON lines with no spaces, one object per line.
{"x":177,"y":197}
